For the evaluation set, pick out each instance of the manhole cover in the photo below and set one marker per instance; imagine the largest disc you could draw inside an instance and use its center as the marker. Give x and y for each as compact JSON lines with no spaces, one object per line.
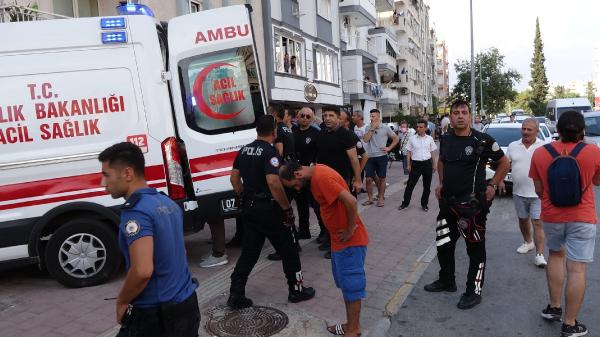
{"x":255,"y":321}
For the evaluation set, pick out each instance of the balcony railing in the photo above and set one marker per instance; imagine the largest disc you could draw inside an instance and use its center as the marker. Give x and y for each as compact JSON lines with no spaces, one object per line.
{"x":16,"y":13}
{"x":362,"y":87}
{"x":362,"y":43}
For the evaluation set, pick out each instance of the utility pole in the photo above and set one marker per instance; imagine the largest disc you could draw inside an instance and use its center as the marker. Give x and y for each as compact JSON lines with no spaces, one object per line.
{"x":473,"y":98}
{"x":480,"y":89}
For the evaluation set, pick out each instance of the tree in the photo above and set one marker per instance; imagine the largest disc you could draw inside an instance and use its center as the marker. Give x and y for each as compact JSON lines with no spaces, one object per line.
{"x":497,"y":82}
{"x":521,"y":101}
{"x":539,"y":81}
{"x":590,"y":91}
{"x":562,"y":92}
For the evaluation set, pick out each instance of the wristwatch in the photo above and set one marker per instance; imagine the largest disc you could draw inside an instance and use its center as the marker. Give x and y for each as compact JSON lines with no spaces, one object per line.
{"x":495,"y":187}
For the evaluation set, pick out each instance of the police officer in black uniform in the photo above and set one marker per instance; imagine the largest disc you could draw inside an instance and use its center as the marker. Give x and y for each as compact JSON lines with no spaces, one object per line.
{"x":158,"y":297}
{"x":305,"y":144}
{"x":266,"y":214}
{"x":465,"y":199}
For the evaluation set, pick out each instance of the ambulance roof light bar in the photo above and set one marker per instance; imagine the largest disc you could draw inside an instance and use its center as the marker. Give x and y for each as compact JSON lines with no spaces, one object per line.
{"x":127,"y":8}
{"x":113,"y":23}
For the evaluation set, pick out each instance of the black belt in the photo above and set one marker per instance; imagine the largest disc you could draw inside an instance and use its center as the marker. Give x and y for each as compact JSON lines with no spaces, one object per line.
{"x":171,"y":308}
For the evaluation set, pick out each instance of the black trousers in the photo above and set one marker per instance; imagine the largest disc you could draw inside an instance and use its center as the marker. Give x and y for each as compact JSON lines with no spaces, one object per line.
{"x":419,"y":168}
{"x":168,"y":320}
{"x":447,"y":233}
{"x":264,"y":220}
{"x":305,"y":201}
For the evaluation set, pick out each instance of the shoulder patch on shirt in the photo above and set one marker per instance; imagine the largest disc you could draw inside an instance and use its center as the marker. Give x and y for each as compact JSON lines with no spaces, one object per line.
{"x":308,"y":140}
{"x":359,"y":144}
{"x":274,"y":162}
{"x":468,"y":150}
{"x":495,"y":147}
{"x":132,"y":228}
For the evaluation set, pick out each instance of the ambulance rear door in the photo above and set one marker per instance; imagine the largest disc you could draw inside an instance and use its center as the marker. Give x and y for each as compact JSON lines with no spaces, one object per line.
{"x":217,"y":95}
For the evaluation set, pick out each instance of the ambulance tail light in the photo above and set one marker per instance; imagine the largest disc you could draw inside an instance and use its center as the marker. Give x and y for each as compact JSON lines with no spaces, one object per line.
{"x":174,"y":172}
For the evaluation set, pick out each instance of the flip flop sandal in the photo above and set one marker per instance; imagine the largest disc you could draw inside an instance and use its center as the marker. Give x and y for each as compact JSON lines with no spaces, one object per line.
{"x":380,"y":204}
{"x":367,"y":203}
{"x":338,"y":330}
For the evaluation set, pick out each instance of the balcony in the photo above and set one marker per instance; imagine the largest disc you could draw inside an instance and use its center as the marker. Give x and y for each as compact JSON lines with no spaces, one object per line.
{"x":361,"y":45}
{"x":15,"y":13}
{"x":358,"y":89}
{"x":360,"y":13}
{"x":385,"y":49}
{"x":389,"y":96}
{"x":384,"y":5}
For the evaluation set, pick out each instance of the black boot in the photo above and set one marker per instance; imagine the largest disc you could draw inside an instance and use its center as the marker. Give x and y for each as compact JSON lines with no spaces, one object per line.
{"x":238,"y":300}
{"x":438,"y":286}
{"x":468,"y":301}
{"x":305,"y":294}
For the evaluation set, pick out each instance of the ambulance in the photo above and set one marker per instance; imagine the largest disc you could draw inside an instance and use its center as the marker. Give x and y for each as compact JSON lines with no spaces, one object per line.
{"x":187,"y":92}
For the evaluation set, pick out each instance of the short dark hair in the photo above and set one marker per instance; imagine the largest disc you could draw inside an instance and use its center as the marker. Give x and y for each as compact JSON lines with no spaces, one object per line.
{"x":570,"y":126}
{"x":375,"y":110}
{"x":126,"y":154}
{"x":331,"y":108}
{"x":422,"y":121}
{"x":287,"y":170}
{"x":459,"y":102}
{"x":265,"y":124}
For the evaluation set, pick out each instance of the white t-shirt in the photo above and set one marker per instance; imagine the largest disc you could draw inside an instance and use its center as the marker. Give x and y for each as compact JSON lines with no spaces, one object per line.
{"x":444,"y":124}
{"x":520,"y":158}
{"x":421,"y":147}
{"x":360,"y":132}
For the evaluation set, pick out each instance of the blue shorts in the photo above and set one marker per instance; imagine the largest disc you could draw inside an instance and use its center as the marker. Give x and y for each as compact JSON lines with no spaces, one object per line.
{"x":348,"y":267}
{"x":578,"y":237}
{"x":376,"y":165}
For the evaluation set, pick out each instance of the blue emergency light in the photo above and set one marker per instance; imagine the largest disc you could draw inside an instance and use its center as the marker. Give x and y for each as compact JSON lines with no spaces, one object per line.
{"x":114,"y":37}
{"x":134,"y":9}
{"x":113,"y":23}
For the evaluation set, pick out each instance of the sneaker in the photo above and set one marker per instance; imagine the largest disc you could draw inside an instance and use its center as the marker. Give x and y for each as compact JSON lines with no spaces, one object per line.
{"x":274,"y":257}
{"x":238,"y":301}
{"x":437,"y":286}
{"x":525,"y":247}
{"x":402,"y":206}
{"x":298,"y":296}
{"x":468,"y":301}
{"x":573,"y":330}
{"x":552,"y":314}
{"x":540,"y":261}
{"x":213,"y":261}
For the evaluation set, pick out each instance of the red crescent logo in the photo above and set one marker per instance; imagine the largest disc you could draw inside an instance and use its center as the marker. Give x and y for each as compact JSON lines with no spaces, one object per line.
{"x":197,"y":92}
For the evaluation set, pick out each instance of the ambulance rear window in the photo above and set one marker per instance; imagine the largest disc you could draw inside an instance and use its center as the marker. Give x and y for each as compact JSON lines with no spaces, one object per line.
{"x":221,"y":91}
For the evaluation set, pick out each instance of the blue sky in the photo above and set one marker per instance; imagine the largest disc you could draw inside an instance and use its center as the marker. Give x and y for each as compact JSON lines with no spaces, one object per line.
{"x":570,"y":32}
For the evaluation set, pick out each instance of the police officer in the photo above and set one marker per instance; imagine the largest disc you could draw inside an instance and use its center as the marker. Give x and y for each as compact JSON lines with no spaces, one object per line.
{"x":158,"y":297}
{"x":465,"y":198}
{"x":266,"y":214}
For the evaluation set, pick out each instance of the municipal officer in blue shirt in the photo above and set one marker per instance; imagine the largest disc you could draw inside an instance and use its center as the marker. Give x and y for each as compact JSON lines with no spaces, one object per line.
{"x":158,"y":297}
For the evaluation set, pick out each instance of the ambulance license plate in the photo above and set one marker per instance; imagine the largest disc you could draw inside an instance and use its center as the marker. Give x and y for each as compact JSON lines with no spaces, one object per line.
{"x":230,"y":206}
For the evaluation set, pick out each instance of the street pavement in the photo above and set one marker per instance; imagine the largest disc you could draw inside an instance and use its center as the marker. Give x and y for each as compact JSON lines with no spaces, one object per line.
{"x":32,"y":304}
{"x":514,"y":292}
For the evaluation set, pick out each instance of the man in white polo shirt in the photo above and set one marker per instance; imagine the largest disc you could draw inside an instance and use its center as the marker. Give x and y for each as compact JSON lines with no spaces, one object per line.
{"x":527,"y":203}
{"x":420,"y":161}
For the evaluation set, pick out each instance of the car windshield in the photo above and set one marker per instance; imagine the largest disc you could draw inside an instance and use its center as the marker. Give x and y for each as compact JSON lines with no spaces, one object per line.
{"x":505,"y":136}
{"x":592,"y":126}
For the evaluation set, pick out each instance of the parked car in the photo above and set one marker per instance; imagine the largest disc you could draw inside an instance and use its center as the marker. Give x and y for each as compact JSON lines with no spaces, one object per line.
{"x":504,"y":134}
{"x":592,"y":127}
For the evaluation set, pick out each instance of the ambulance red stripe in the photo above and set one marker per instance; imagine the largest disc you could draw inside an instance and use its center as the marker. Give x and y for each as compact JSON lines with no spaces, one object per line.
{"x":212,"y":162}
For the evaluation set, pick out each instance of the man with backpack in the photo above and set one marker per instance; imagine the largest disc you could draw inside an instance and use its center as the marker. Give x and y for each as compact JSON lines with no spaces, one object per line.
{"x":564,"y":173}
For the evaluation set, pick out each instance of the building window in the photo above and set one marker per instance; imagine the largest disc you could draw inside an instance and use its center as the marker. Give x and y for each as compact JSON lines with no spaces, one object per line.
{"x":324,"y":9}
{"x":327,"y":66}
{"x":195,"y":6}
{"x":289,"y":55}
{"x":75,"y":8}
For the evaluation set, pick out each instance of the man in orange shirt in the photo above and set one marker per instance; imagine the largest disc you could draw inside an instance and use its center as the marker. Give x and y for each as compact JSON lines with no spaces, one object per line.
{"x":569,"y":223}
{"x":348,"y":234}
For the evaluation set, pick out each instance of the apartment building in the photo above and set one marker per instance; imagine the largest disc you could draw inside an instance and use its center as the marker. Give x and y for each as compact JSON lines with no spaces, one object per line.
{"x":442,"y":74}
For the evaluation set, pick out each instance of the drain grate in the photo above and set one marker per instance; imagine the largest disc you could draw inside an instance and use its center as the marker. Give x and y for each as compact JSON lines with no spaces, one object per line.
{"x":255,"y":321}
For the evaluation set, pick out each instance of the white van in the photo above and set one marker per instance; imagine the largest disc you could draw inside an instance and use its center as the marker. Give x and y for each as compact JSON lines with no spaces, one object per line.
{"x":70,"y":88}
{"x":556,"y":107}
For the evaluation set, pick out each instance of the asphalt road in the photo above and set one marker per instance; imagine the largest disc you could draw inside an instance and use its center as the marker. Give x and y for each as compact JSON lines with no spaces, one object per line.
{"x":514,"y":293}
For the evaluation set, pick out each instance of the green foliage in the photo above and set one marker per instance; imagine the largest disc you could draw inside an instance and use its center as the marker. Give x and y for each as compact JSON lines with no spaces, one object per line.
{"x":562,"y":92}
{"x":590,"y":91}
{"x":522,"y":101}
{"x":498,"y":82}
{"x":434,"y":104}
{"x":539,"y":81}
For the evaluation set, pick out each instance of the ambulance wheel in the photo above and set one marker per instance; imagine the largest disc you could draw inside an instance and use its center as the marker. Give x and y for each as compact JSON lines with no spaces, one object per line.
{"x":82,"y":253}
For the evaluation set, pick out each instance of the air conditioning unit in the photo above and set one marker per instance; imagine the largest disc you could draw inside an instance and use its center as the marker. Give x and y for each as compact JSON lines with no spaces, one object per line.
{"x":404,"y":91}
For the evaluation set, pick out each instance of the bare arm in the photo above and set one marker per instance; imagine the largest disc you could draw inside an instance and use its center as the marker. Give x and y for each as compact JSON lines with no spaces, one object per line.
{"x":353,"y":156}
{"x":408,"y":159}
{"x":368,"y":135}
{"x":539,"y":188}
{"x":142,"y":266}
{"x":351,"y":211}
{"x":279,"y":148}
{"x":277,"y":191}
{"x":236,"y":182}
{"x":363,"y":161}
{"x":395,"y":140}
{"x":501,"y":171}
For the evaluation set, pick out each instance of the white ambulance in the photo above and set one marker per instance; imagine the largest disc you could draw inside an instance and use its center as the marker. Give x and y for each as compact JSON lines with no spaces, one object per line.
{"x":186,"y":93}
